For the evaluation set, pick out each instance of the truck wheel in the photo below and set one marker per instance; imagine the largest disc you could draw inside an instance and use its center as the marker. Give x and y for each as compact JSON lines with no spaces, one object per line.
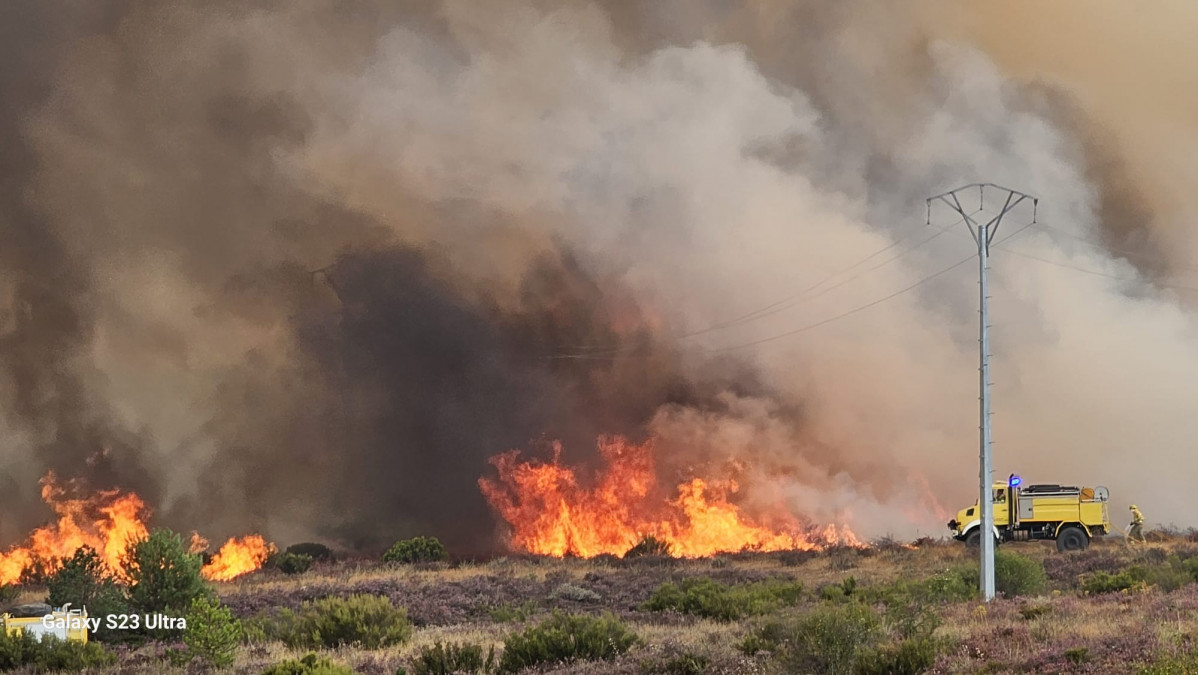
{"x":1072,"y":539}
{"x":974,"y":539}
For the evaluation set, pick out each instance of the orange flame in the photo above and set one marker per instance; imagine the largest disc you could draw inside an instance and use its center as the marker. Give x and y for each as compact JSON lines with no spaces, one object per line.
{"x":106,"y":521}
{"x":238,"y":557}
{"x":551,"y":514}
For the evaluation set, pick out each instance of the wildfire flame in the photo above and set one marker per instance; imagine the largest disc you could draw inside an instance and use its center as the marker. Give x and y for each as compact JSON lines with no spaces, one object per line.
{"x":238,"y":557}
{"x":552,"y":514}
{"x":107,"y":521}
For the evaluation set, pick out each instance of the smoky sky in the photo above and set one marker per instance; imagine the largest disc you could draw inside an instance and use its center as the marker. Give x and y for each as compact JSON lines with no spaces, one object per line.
{"x":302,"y":268}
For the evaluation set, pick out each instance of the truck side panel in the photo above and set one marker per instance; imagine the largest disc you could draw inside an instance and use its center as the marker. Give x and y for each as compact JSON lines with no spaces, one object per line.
{"x":1055,"y":509}
{"x":1092,"y":514}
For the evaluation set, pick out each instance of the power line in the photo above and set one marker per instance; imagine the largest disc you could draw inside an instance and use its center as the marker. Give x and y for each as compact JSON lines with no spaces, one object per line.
{"x":843,"y":314}
{"x":796,"y":298}
{"x":1104,"y":247}
{"x":1096,"y":273}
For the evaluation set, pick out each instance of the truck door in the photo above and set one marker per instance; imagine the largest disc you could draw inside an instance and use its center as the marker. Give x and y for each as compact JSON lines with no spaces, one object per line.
{"x":1001,"y":510}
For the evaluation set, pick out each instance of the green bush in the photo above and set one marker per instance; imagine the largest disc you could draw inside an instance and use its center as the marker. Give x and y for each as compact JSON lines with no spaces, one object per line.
{"x":453,"y":658}
{"x":310,"y":664}
{"x":908,"y":657}
{"x":212,"y":632}
{"x":1103,"y":582}
{"x":81,"y":582}
{"x":827,"y":640}
{"x":294,"y":563}
{"x":565,"y":638}
{"x":951,"y":586}
{"x":705,"y":597}
{"x":24,"y":651}
{"x":368,"y":621}
{"x":318,"y":552}
{"x":649,"y":546}
{"x":1016,"y":575}
{"x":417,"y":550}
{"x":163,"y":576}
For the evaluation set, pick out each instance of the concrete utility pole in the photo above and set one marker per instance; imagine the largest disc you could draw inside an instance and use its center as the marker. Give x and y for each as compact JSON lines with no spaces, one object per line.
{"x":983,"y":234}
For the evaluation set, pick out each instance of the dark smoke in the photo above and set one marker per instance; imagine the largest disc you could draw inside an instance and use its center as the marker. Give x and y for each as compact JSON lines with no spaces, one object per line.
{"x":302,"y":268}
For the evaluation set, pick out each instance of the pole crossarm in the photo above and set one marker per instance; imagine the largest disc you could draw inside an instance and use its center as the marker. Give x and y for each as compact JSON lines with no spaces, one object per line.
{"x":982,"y":234}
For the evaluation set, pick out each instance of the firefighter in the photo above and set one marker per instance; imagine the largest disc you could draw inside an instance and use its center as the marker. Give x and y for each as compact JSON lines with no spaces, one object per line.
{"x":1136,"y":532}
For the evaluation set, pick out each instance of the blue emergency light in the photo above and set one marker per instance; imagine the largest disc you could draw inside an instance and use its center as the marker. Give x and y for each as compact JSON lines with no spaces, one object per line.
{"x":1014,"y":481}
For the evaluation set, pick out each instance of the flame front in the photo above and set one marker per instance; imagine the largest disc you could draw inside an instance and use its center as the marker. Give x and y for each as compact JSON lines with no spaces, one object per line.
{"x":108,"y":521}
{"x":238,"y":557}
{"x":551,"y":514}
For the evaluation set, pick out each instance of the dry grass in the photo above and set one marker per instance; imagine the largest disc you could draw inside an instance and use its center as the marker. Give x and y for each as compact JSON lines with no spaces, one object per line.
{"x":1062,"y":631}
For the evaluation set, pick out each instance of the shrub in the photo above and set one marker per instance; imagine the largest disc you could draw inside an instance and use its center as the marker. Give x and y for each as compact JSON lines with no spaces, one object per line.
{"x":318,"y":552}
{"x":951,"y":586}
{"x":564,"y":638}
{"x":417,"y":550}
{"x":294,"y":563}
{"x":212,"y":633}
{"x":453,"y":658}
{"x":310,"y":664}
{"x":23,"y":650}
{"x":909,"y":657}
{"x":369,"y":621}
{"x":1102,"y":582}
{"x":827,"y":640}
{"x":509,"y":613}
{"x":163,"y":576}
{"x":682,"y":664}
{"x":705,"y":597}
{"x":649,"y":546}
{"x":575,"y":593}
{"x":81,"y":582}
{"x":1016,"y":575}
{"x":911,"y":621}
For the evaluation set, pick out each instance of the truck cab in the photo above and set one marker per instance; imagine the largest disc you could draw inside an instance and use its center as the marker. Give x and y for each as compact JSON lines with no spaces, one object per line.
{"x":1071,"y":516}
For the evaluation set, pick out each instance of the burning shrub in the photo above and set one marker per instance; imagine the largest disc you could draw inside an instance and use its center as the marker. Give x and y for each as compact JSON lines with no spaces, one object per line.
{"x":370,"y":621}
{"x":318,"y":552}
{"x":294,"y":563}
{"x":212,"y":633}
{"x":453,"y":658}
{"x":649,"y":546}
{"x":1016,"y":575}
{"x":705,"y":597}
{"x":309,"y":665}
{"x":163,"y":576}
{"x":23,"y":650}
{"x":81,"y":582}
{"x":827,"y":640}
{"x":565,"y":638}
{"x":416,"y":550}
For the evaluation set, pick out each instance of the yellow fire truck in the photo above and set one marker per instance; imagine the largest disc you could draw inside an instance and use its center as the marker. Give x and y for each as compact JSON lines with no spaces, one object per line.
{"x":1070,"y":515}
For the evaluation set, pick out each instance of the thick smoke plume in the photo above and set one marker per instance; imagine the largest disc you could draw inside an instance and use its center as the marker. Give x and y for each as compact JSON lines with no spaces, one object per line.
{"x":304,"y":267}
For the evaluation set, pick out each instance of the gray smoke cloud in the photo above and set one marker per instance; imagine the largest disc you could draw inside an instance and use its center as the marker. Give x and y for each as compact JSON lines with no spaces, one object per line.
{"x":302,"y":269}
